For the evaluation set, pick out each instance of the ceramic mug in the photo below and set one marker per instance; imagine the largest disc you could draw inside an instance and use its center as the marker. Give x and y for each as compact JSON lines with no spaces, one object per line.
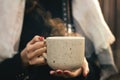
{"x":65,"y":53}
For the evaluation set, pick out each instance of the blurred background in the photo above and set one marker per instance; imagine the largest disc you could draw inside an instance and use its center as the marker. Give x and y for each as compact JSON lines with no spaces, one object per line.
{"x":111,"y":12}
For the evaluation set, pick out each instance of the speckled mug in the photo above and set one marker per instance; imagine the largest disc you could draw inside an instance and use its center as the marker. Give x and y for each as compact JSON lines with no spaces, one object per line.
{"x":65,"y":53}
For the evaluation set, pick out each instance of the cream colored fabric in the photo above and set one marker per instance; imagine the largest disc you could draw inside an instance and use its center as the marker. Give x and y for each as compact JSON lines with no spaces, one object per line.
{"x":90,"y":19}
{"x":11,"y":18}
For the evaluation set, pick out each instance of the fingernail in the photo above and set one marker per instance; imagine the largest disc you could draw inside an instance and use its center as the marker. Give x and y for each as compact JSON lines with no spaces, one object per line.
{"x":66,"y":73}
{"x":59,"y":72}
{"x":41,"y":38}
{"x":52,"y":72}
{"x":85,"y":74}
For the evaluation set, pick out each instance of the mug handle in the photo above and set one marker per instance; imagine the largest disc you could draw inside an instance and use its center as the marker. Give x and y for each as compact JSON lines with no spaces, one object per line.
{"x":44,"y":54}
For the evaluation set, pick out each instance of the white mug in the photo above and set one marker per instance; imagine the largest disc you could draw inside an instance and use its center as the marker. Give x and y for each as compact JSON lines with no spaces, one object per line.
{"x":65,"y":53}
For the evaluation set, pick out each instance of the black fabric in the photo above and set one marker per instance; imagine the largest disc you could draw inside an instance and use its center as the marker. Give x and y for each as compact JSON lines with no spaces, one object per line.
{"x":10,"y":68}
{"x":38,"y":73}
{"x":54,"y":6}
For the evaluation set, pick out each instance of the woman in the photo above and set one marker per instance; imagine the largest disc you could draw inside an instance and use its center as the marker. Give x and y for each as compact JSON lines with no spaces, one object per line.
{"x":97,"y":45}
{"x":43,"y":18}
{"x":29,"y":63}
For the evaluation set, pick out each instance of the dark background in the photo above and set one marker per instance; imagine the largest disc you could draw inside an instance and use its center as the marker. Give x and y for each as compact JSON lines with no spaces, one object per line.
{"x":111,"y":12}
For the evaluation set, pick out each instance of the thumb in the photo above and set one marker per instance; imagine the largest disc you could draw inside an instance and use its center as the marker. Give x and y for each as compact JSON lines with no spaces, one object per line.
{"x":85,"y":68}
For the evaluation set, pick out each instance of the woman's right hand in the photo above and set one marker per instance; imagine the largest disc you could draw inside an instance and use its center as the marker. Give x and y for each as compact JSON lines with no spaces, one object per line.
{"x":84,"y":69}
{"x":32,"y":54}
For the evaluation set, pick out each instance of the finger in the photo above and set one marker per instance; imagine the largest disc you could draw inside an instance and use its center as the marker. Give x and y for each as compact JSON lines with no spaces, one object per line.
{"x":57,"y":73}
{"x":61,"y":74}
{"x":85,"y":68}
{"x":35,"y":39}
{"x":33,"y":47}
{"x":36,"y":53}
{"x":37,"y":61}
{"x":73,"y":73}
{"x":52,"y":72}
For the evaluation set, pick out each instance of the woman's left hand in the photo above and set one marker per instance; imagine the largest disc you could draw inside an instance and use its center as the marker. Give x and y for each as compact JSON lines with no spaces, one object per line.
{"x":69,"y":74}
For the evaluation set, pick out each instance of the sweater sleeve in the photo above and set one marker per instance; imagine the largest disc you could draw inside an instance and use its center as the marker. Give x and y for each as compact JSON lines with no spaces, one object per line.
{"x":12,"y":67}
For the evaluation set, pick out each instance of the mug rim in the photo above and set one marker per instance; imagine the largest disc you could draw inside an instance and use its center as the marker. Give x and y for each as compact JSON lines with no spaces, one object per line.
{"x":66,"y":37}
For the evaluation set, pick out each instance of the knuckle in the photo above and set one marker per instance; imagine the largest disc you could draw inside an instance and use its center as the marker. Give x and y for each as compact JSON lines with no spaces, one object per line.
{"x":28,"y":56}
{"x":31,"y":62}
{"x":35,"y":37}
{"x":42,"y":61}
{"x":27,"y":47}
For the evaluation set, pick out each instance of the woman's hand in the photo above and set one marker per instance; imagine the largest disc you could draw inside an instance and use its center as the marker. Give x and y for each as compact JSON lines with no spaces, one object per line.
{"x":69,"y":74}
{"x":32,"y":54}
